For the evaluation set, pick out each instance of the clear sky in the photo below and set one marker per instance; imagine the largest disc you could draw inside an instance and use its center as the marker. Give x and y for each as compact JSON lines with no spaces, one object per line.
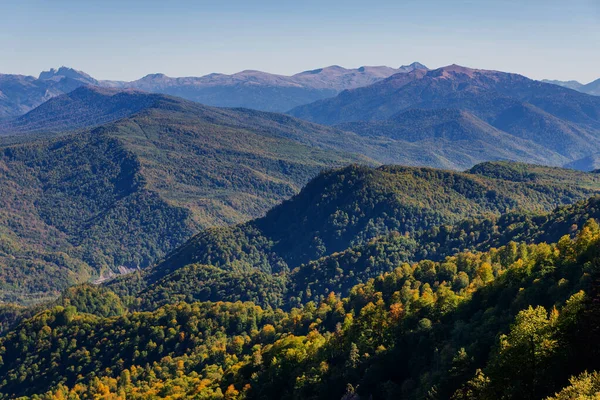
{"x":125,"y":40}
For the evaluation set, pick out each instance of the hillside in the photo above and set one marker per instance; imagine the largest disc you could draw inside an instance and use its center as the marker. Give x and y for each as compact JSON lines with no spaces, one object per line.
{"x":563,"y":121}
{"x":449,"y":138}
{"x":351,"y":206}
{"x":513,"y":321}
{"x":340,"y":271}
{"x":84,"y":107}
{"x":125,"y":193}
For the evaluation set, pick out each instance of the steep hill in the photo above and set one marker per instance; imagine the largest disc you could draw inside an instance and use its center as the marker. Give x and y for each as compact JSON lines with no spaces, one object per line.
{"x":125,"y":193}
{"x":348,"y":207}
{"x":340,"y":271}
{"x":561,"y":120}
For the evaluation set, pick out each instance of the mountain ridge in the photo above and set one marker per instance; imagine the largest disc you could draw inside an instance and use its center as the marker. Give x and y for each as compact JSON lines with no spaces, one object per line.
{"x":592,"y":88}
{"x":439,"y":144}
{"x":353,"y":205}
{"x":254,"y":89}
{"x":165,"y":168}
{"x":563,"y":121}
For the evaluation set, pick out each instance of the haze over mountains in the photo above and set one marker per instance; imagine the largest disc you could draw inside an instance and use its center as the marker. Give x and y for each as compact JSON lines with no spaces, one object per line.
{"x":592,"y":88}
{"x":252,"y":89}
{"x":564,"y":122}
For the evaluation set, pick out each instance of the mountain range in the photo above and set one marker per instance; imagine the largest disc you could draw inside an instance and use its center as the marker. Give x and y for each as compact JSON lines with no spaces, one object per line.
{"x":20,"y":94}
{"x":253,"y":89}
{"x":124,"y":193}
{"x":456,"y":103}
{"x":192,"y":166}
{"x":155,"y":247}
{"x":592,"y":88}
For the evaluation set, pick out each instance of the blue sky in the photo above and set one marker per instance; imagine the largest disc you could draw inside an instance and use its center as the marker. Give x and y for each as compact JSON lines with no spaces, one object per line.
{"x":126,"y":40}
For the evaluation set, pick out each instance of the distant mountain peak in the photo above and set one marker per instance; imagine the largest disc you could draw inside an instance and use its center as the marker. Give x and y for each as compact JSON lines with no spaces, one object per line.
{"x":330,"y":68}
{"x":66,"y":72}
{"x":454,"y":68}
{"x":154,"y":76}
{"x":411,"y":67}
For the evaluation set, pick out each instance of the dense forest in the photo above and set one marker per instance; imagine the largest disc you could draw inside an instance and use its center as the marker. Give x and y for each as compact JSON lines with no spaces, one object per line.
{"x":349,"y":207}
{"x":484,"y":290}
{"x":509,"y":322}
{"x":81,"y":205}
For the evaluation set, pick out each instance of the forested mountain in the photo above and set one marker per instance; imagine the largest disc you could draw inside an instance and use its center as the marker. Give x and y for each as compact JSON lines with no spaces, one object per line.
{"x":513,"y":321}
{"x":371,"y":282}
{"x":437,"y":138}
{"x":84,"y":107}
{"x":125,"y":193}
{"x":449,"y":138}
{"x":20,"y":94}
{"x":562,"y":121}
{"x":350,"y":207}
{"x":340,"y":271}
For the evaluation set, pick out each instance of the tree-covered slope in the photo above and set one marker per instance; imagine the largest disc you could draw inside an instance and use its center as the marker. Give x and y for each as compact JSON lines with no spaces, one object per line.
{"x":340,"y":271}
{"x":515,"y":321}
{"x":347,"y":207}
{"x":125,"y":193}
{"x":450,"y":139}
{"x":84,"y":107}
